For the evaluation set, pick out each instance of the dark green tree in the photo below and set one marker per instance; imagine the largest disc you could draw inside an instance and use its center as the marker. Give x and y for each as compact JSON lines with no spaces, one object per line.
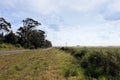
{"x":28,"y":25}
{"x":5,"y":26}
{"x":1,"y":38}
{"x":36,"y":38}
{"x":11,"y":38}
{"x":47,"y":44}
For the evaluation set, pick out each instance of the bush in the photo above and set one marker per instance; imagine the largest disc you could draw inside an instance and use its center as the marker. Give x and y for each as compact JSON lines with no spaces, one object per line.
{"x":47,"y":44}
{"x":17,"y":45}
{"x":101,"y":63}
{"x":69,"y":50}
{"x":80,"y":53}
{"x":97,"y":62}
{"x":74,"y":70}
{"x":32,"y":47}
{"x":4,"y":45}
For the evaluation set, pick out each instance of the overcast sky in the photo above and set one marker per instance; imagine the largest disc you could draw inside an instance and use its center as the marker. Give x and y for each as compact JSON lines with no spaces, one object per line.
{"x":77,"y":22}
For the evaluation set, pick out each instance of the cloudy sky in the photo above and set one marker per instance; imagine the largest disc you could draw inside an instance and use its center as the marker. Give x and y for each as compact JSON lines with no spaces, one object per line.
{"x":77,"y":22}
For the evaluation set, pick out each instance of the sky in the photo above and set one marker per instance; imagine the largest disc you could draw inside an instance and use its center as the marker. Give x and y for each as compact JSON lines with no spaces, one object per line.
{"x":71,"y":22}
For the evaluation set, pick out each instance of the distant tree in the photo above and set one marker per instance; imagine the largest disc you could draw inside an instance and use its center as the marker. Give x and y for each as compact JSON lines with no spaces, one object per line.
{"x":4,"y":25}
{"x":11,"y":38}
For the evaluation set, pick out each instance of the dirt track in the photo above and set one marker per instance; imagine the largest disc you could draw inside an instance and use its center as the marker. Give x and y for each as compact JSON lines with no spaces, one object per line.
{"x":12,"y":52}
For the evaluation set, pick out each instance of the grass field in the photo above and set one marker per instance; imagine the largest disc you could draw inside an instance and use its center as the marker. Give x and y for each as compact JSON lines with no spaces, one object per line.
{"x":62,"y":64}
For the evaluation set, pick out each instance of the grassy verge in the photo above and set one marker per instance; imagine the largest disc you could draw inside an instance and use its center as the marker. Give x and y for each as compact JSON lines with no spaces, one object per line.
{"x":5,"y":46}
{"x":42,"y":64}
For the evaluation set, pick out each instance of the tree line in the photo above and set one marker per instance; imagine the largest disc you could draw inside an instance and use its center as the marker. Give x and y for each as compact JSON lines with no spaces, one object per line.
{"x":26,"y":36}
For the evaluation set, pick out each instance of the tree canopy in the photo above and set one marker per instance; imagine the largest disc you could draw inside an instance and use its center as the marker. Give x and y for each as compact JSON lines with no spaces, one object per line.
{"x":4,"y":24}
{"x":27,"y":35}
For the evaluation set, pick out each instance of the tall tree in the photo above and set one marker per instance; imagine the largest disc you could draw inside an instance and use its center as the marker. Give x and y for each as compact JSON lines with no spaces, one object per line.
{"x":36,"y":38}
{"x":28,"y":25}
{"x":4,"y":25}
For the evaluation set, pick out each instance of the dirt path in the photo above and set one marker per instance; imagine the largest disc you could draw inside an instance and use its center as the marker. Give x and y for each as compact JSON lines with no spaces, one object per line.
{"x":12,"y":52}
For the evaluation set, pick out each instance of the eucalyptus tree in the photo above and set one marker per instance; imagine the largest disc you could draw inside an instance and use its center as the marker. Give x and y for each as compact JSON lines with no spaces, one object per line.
{"x":28,"y":25}
{"x":36,"y":38}
{"x":4,"y":25}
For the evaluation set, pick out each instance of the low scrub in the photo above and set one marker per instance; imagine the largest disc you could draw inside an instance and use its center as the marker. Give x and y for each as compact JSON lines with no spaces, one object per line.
{"x":98,"y":63}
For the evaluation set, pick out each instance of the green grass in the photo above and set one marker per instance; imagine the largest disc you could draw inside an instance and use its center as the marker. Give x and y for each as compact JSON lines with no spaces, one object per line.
{"x":41,"y":64}
{"x":5,"y":46}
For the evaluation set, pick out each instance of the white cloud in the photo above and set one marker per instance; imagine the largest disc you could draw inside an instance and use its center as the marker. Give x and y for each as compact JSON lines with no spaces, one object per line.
{"x":111,"y":10}
{"x":49,"y":6}
{"x":84,"y":5}
{"x":115,"y":5}
{"x":92,"y":35}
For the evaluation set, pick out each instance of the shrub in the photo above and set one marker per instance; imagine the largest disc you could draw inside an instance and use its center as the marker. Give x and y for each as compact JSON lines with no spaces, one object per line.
{"x":97,"y":62}
{"x":69,"y":50}
{"x":101,"y":63}
{"x":80,"y":53}
{"x":32,"y":47}
{"x":73,"y":70}
{"x":3,"y":45}
{"x":17,"y":45}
